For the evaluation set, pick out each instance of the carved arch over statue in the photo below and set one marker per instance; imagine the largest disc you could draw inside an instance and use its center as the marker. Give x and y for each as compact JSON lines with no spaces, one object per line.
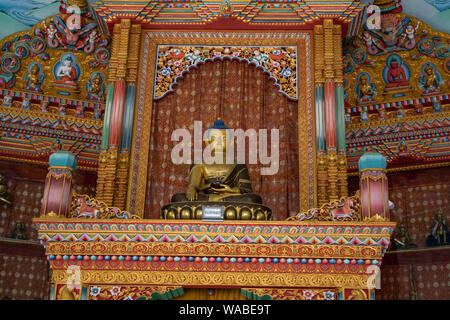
{"x":175,"y":61}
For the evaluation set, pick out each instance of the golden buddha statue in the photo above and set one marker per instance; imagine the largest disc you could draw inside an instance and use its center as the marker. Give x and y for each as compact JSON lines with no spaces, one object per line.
{"x":218,"y":181}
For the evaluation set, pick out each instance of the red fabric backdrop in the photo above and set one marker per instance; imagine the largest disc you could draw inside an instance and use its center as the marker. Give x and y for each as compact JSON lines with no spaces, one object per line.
{"x":417,"y":195}
{"x":244,"y":98}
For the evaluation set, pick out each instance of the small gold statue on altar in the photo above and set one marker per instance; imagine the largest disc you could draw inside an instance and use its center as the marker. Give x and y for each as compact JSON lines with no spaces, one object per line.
{"x":218,"y":183}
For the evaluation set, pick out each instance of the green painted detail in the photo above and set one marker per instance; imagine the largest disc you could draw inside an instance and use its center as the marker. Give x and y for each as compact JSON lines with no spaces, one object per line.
{"x":372,"y":160}
{"x":254,"y":296}
{"x":169,"y":295}
{"x":63,"y":159}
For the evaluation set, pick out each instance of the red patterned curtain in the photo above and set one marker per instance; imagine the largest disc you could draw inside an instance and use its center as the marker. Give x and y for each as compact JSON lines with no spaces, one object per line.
{"x":244,"y":97}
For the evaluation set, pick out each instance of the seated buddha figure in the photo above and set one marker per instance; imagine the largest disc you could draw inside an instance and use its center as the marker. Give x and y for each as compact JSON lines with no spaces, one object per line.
{"x":95,"y":88}
{"x":66,"y":74}
{"x":365,"y":90}
{"x":218,"y":181}
{"x":429,"y":81}
{"x":34,"y":78}
{"x":396,"y":76}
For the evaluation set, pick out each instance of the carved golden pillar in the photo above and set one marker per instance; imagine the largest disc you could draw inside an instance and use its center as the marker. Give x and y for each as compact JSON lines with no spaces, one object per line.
{"x":102,"y":171}
{"x":339,"y":95}
{"x":330,"y":110}
{"x":123,"y":163}
{"x":319,"y":66}
{"x":114,"y":113}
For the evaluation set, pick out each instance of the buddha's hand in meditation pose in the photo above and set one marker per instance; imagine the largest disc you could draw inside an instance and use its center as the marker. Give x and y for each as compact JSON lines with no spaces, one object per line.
{"x":220,"y":188}
{"x":191,"y":193}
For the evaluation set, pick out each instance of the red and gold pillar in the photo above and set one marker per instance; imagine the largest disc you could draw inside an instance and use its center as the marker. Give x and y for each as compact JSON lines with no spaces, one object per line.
{"x":114,"y":159}
{"x":374,"y":194}
{"x":330,"y":110}
{"x":58,"y":184}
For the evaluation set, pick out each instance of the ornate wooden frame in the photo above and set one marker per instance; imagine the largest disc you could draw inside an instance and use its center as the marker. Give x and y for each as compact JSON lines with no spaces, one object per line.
{"x":144,"y":102}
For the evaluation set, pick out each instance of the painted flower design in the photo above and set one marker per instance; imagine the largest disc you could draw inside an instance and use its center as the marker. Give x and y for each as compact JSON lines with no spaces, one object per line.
{"x":217,"y":54}
{"x":286,"y":73}
{"x":177,"y":63}
{"x":95,"y":291}
{"x":308,"y":294}
{"x":129,"y":298}
{"x":236,"y":54}
{"x":166,"y":72}
{"x":275,"y":64}
{"x":193,"y":58}
{"x":328,"y":295}
{"x":115,"y":291}
{"x":260,"y":58}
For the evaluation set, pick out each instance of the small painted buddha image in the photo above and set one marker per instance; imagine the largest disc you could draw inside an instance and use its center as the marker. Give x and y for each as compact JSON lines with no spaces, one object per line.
{"x":218,"y":182}
{"x":396,"y":74}
{"x":226,"y":9}
{"x":66,"y":73}
{"x":430,"y":80}
{"x":403,"y":148}
{"x":382,"y":115}
{"x":365,"y":89}
{"x":364,"y":116}
{"x":34,"y":78}
{"x":95,"y":88}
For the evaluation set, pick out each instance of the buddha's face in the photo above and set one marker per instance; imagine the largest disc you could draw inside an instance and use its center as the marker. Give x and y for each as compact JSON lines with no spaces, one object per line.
{"x":217,"y":141}
{"x":35,"y":69}
{"x":67,"y":63}
{"x":363,"y":81}
{"x":429,"y":70}
{"x":97,"y":79}
{"x":394,"y":64}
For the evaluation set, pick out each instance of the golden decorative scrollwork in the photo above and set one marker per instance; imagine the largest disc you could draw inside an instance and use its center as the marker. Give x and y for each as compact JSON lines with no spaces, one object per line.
{"x":219,"y":279}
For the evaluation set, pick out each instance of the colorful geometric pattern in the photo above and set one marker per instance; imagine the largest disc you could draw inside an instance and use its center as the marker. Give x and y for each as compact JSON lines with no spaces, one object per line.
{"x":416,"y":140}
{"x":29,"y":135}
{"x":283,"y":12}
{"x":114,"y":254}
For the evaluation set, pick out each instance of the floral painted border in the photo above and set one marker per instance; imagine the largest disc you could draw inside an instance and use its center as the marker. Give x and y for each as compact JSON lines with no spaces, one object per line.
{"x":174,"y":61}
